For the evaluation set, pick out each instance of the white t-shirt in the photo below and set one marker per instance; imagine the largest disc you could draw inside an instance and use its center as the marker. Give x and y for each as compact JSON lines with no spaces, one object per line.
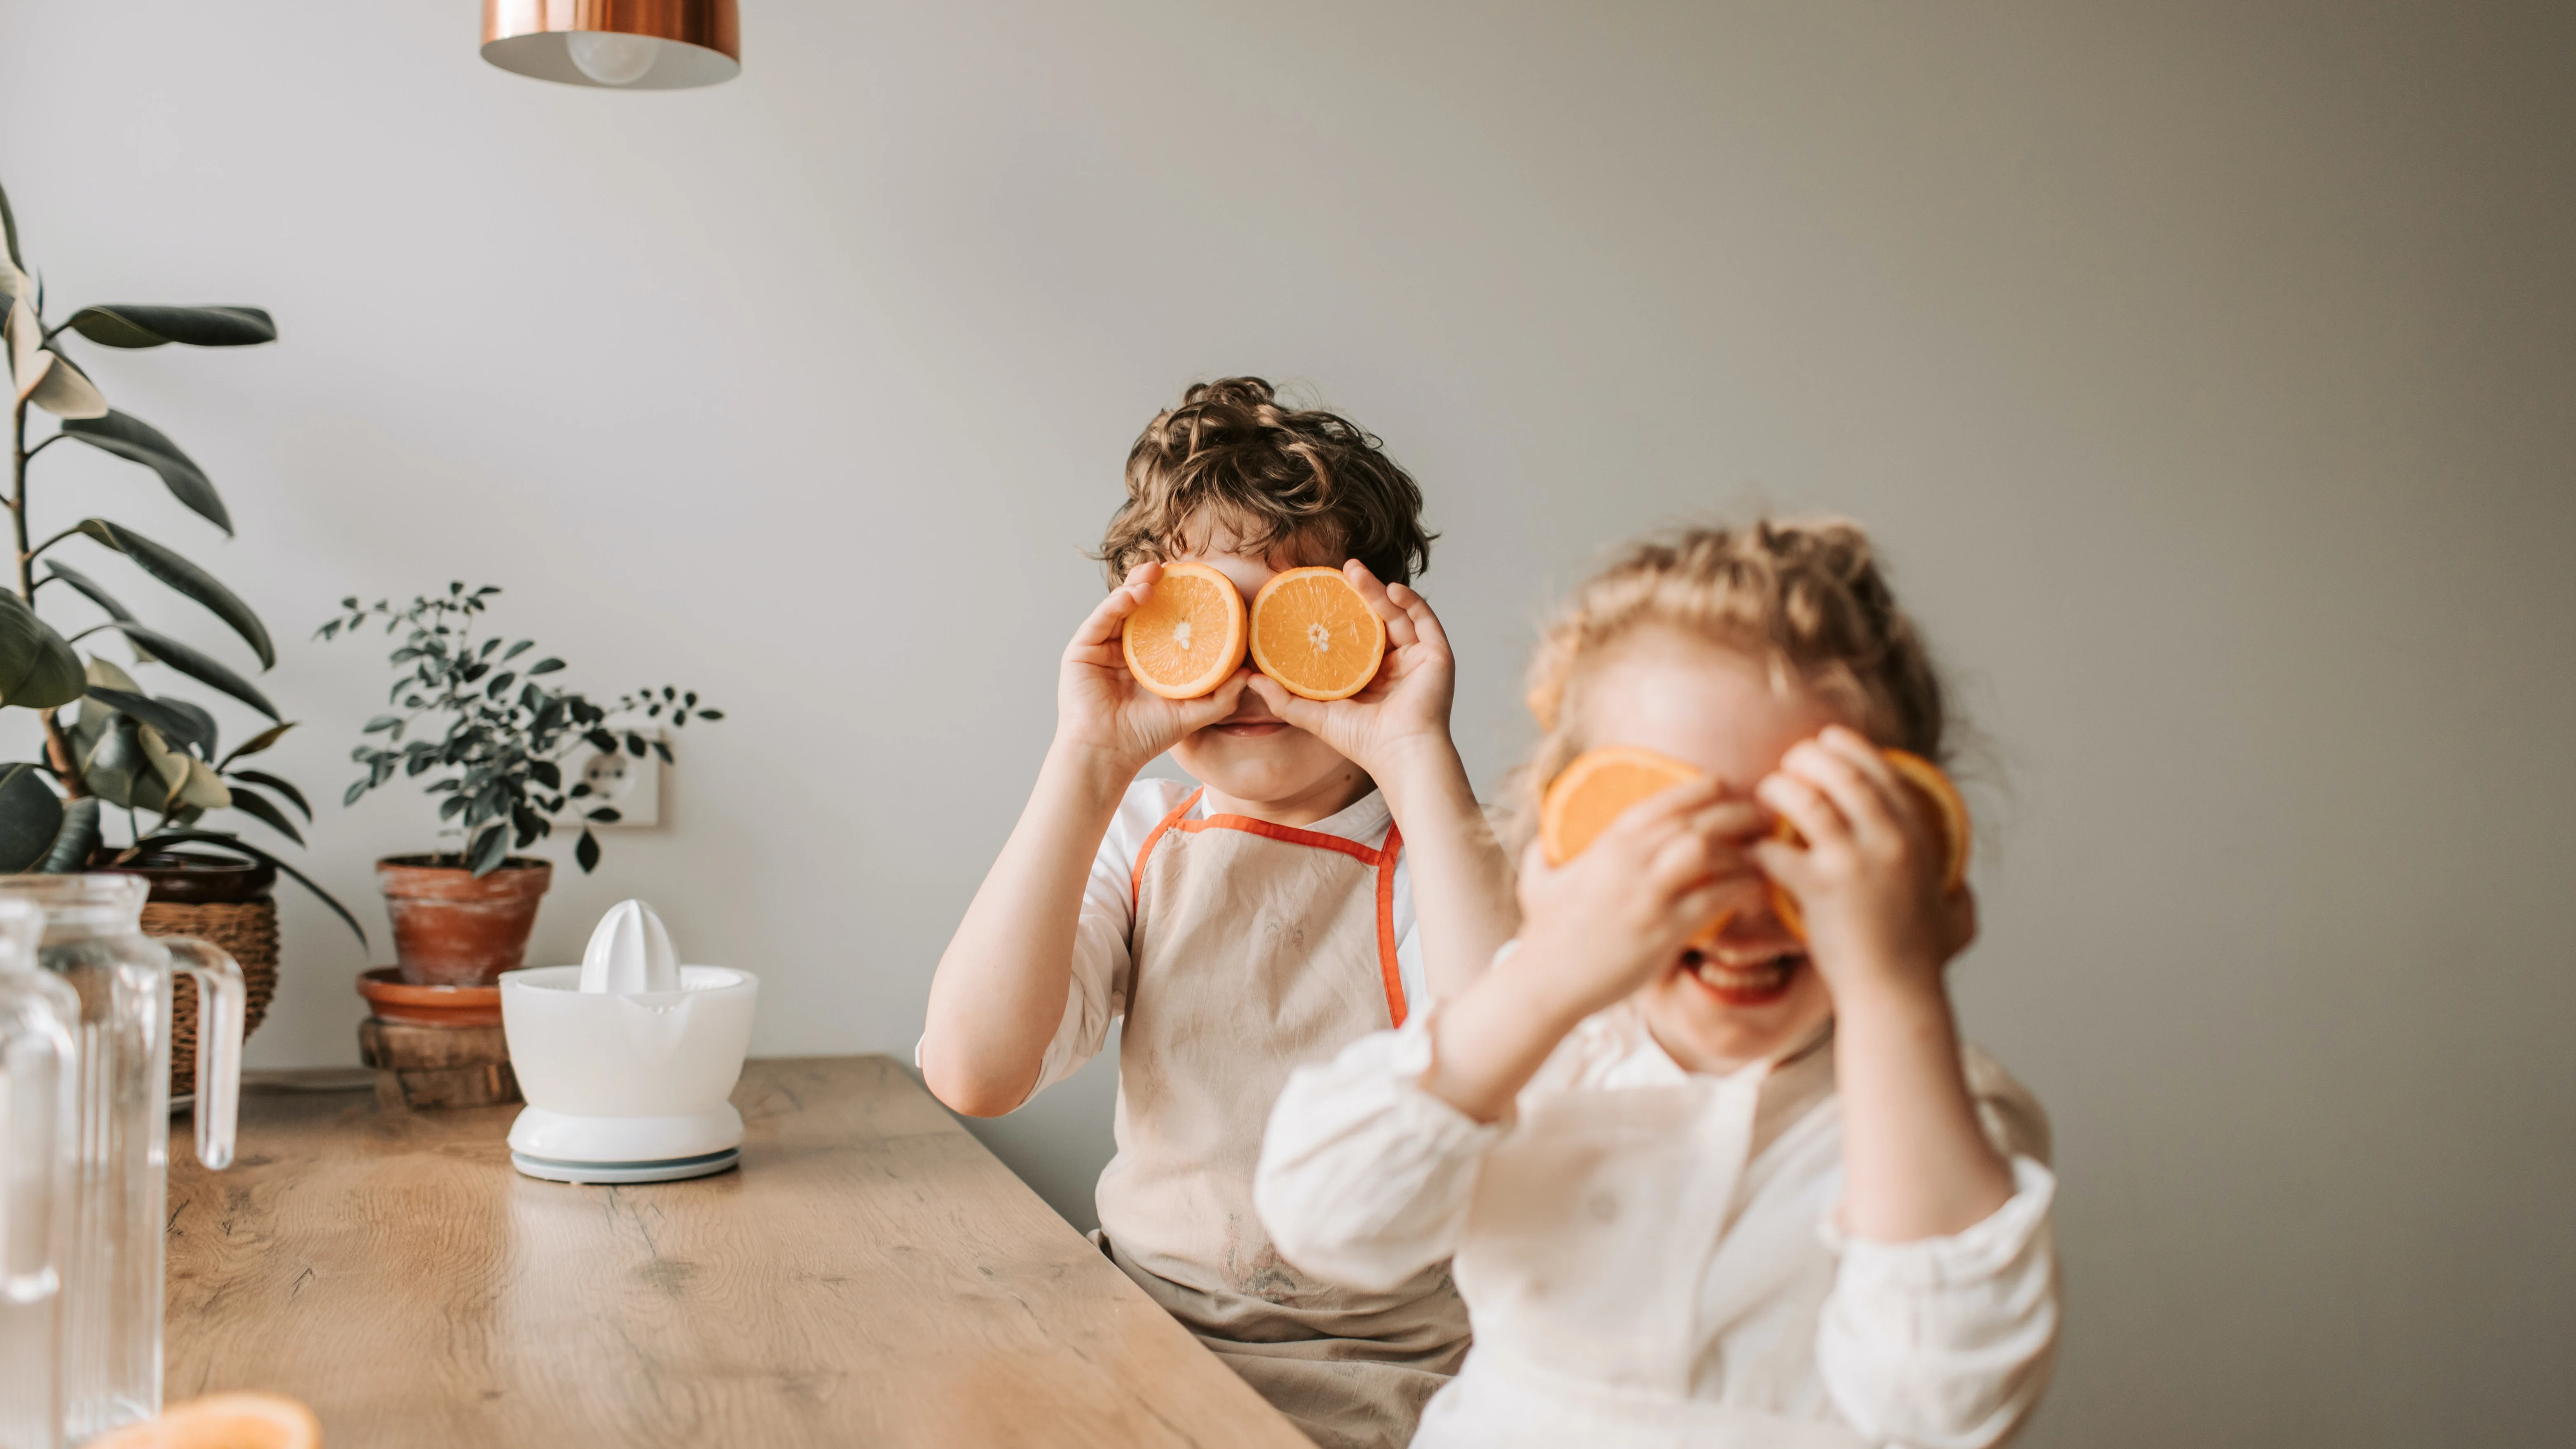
{"x":1102,"y":955}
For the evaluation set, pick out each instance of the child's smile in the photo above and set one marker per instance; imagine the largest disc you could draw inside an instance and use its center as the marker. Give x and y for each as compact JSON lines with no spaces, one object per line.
{"x":1750,"y":992}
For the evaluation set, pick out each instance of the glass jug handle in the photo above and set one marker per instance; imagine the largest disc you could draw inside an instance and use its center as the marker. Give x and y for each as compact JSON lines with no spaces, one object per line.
{"x":35,"y":1093}
{"x":222,"y":1005}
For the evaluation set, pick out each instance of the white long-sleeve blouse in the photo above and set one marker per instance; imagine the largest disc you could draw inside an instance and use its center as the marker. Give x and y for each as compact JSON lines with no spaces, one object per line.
{"x":1649,"y":1256}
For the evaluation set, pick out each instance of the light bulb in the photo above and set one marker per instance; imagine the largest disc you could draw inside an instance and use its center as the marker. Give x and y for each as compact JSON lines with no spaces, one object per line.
{"x":610,"y":57}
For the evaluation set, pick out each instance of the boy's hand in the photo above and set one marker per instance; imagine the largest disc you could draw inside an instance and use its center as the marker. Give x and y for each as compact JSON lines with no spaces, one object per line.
{"x":1606,"y":922}
{"x":1869,"y":879}
{"x":1101,"y":710}
{"x":1407,"y":704}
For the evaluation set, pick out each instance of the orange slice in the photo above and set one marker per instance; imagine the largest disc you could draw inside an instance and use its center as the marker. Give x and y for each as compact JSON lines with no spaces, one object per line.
{"x":223,"y":1421}
{"x":1598,"y":788}
{"x":1188,"y":638}
{"x":1313,"y":633}
{"x":1949,"y":813}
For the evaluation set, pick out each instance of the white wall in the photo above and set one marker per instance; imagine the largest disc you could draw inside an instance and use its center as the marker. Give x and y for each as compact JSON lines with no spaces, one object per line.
{"x":2205,"y":369}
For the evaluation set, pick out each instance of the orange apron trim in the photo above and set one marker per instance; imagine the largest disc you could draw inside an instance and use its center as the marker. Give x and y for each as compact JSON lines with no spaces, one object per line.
{"x":1383,"y":859}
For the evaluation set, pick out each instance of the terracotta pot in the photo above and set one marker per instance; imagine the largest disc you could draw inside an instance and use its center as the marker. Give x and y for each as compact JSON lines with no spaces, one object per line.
{"x":451,"y":929}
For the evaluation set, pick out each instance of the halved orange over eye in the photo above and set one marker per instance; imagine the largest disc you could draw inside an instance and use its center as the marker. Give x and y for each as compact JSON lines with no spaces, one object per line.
{"x":1189,"y":636}
{"x":1313,"y":633}
{"x":1601,"y":785}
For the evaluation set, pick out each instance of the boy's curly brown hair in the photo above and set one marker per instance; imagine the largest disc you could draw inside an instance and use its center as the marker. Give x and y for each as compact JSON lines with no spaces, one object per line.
{"x":1309,"y":480}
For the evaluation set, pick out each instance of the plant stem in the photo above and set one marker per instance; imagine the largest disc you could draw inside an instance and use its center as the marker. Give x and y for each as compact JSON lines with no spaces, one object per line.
{"x":57,"y":749}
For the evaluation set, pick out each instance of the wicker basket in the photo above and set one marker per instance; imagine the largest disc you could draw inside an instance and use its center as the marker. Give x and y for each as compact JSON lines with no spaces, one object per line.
{"x":247,"y":931}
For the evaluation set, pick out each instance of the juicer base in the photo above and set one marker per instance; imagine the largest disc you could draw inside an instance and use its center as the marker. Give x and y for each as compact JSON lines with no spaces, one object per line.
{"x":669,"y":1170}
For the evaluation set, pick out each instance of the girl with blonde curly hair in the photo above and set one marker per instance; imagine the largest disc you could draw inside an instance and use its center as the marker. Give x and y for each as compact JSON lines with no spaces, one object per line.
{"x":1744,"y":1186}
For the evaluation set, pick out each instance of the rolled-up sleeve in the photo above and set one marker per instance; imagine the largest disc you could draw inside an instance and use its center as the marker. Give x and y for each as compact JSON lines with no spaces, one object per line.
{"x":1365,"y":1178}
{"x":1946,"y":1343}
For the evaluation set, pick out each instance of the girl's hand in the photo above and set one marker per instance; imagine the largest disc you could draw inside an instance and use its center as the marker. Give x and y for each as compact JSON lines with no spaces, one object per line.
{"x":1869,"y":878}
{"x":1404,"y":707}
{"x":1608,"y":921}
{"x":1101,"y":710}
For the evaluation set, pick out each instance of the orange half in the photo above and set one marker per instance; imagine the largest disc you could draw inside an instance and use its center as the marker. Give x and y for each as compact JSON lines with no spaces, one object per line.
{"x":1188,"y":637}
{"x":1598,"y":788}
{"x":223,"y":1421}
{"x":1313,"y":633}
{"x":1949,"y":813}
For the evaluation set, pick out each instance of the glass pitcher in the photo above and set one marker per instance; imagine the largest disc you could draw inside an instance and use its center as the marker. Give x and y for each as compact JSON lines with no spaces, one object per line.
{"x":111,"y":1272}
{"x":38,"y":1018}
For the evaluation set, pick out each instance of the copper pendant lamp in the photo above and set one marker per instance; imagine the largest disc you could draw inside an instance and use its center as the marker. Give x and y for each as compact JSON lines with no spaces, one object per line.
{"x":636,"y":45}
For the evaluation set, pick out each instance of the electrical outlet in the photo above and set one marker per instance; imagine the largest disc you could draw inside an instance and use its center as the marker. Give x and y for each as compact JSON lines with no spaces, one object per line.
{"x":630,"y":786}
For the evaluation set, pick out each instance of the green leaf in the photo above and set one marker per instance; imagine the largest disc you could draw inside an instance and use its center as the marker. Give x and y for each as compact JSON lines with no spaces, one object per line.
{"x":37,"y":669}
{"x":251,"y":802}
{"x":129,"y":325}
{"x":230,"y":842}
{"x":261,"y":741}
{"x":9,"y":228}
{"x":172,"y":723}
{"x":294,"y":796}
{"x":545,"y":666}
{"x":204,"y":732}
{"x":74,"y":842}
{"x":586,"y":851}
{"x":203,"y":668}
{"x":31,"y":816}
{"x":90,"y":589}
{"x":67,"y":393}
{"x":490,"y":849}
{"x":137,"y":441}
{"x":111,"y":766}
{"x":167,"y":566}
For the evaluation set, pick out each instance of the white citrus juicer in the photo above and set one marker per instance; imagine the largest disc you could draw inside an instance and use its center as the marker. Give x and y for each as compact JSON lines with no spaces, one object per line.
{"x":627,"y":1060}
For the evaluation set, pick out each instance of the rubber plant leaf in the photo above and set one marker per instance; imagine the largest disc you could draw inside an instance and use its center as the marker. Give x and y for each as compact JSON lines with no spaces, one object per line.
{"x":259,"y":742}
{"x":170,"y":764}
{"x":31,"y":815}
{"x":293,"y":796}
{"x":197,"y":665}
{"x":137,"y":441}
{"x":37,"y":669}
{"x":90,"y":590}
{"x":110,"y":766}
{"x":129,"y":325}
{"x":251,"y":802}
{"x":170,"y":568}
{"x":9,"y":229}
{"x":74,"y":842}
{"x":167,"y":722}
{"x":28,"y":359}
{"x":66,"y":391}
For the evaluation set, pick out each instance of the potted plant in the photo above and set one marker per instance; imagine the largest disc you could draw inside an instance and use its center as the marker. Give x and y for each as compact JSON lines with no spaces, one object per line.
{"x":156,"y":758}
{"x":495,"y":738}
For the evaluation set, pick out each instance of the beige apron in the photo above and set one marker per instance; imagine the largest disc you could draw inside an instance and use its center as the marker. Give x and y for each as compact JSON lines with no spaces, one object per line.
{"x":1257,"y":949}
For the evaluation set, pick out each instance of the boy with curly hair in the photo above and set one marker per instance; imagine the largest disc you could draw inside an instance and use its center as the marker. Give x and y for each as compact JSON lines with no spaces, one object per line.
{"x":1330,"y":874}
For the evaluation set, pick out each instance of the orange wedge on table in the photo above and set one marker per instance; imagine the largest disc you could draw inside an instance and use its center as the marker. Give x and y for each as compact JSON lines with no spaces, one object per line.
{"x":1313,"y":633}
{"x":1600,"y":786}
{"x":1188,"y":638}
{"x":223,"y":1421}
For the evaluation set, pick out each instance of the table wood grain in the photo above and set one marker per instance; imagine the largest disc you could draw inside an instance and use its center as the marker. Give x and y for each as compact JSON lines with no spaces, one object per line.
{"x":871,"y":1276}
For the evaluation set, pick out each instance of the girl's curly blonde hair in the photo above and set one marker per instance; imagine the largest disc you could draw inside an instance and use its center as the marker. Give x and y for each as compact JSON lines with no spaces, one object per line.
{"x":1805,"y":596}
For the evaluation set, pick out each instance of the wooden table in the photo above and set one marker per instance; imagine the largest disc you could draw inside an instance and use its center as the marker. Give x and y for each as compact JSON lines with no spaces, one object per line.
{"x":871,"y":1276}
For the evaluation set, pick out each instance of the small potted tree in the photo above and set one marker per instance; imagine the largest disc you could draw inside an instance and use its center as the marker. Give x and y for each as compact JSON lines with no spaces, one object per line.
{"x":494,"y":737}
{"x":155,"y":759}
